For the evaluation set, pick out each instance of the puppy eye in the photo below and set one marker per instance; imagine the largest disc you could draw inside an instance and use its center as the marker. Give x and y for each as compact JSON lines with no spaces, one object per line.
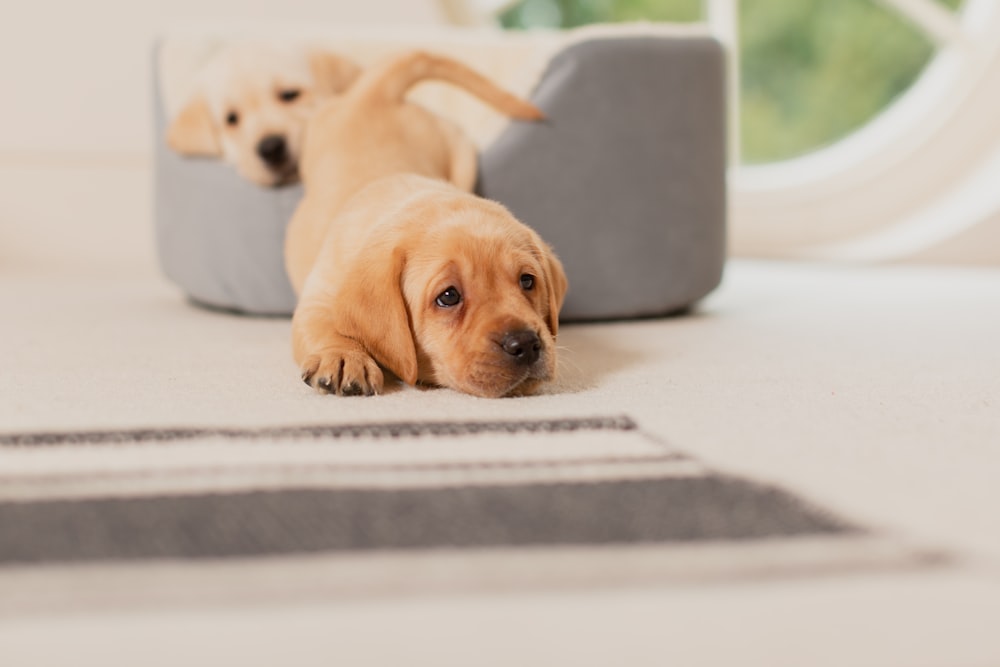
{"x":289,"y":95}
{"x":448,"y":298}
{"x":527,"y":282}
{"x":232,"y":118}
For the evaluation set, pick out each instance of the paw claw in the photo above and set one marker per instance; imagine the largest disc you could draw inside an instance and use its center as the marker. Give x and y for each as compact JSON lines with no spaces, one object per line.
{"x":309,"y":370}
{"x":346,"y":373}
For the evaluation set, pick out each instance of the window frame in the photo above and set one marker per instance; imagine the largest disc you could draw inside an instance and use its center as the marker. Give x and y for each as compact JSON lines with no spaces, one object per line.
{"x":918,"y":149}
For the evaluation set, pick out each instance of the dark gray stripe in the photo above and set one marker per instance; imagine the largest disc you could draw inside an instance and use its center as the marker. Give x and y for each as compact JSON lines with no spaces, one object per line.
{"x":302,"y":521}
{"x":339,"y":431}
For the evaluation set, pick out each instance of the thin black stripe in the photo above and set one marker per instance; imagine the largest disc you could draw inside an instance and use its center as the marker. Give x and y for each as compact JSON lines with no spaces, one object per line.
{"x":338,"y":431}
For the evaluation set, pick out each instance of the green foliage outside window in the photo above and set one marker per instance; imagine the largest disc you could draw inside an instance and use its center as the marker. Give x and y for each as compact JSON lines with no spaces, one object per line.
{"x":811,"y":70}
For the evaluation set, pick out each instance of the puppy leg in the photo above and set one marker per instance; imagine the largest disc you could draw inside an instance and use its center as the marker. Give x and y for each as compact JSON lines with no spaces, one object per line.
{"x":332,"y":363}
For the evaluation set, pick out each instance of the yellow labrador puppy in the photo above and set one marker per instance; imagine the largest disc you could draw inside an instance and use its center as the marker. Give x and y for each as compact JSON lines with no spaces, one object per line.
{"x":250,"y":105}
{"x":397,"y":266}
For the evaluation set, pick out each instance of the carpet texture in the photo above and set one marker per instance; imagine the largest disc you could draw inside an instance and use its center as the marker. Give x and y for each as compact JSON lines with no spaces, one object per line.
{"x":580,"y":487}
{"x":807,"y":461}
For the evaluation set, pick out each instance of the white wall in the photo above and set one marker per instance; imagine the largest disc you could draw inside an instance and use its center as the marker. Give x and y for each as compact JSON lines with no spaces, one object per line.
{"x":75,"y":115}
{"x":75,"y":73}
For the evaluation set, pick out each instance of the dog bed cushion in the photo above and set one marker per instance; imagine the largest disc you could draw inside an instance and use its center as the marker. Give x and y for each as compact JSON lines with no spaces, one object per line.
{"x":625,"y":178}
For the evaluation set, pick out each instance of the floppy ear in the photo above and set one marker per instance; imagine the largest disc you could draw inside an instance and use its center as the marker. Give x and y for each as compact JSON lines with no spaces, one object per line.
{"x":555,"y":287}
{"x":373,"y":311}
{"x":192,"y":131}
{"x":332,"y":73}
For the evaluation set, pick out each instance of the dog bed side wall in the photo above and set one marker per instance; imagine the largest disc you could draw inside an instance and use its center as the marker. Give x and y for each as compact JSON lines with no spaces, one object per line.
{"x":627,"y":177}
{"x":220,"y":238}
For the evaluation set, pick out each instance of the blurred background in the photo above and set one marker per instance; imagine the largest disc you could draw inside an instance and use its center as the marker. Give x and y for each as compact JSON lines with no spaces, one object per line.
{"x":811,"y":71}
{"x":860,"y":129}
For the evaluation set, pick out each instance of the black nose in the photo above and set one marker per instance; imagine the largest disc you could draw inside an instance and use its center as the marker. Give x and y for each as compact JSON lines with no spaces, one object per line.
{"x":273,"y":150}
{"x":523,"y":346}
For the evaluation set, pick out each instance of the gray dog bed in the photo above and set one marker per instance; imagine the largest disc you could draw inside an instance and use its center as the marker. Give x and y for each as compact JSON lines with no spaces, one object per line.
{"x":625,"y":178}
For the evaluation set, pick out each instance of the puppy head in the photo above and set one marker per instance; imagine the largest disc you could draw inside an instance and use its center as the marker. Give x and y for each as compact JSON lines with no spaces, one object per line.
{"x":251,"y":105}
{"x":483,"y":293}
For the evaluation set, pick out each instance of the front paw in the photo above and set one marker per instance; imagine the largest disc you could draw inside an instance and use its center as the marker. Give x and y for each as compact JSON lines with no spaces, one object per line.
{"x":343,"y":372}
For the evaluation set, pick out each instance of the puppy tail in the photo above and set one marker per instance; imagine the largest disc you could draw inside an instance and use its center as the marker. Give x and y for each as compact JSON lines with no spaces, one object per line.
{"x":395,"y":78}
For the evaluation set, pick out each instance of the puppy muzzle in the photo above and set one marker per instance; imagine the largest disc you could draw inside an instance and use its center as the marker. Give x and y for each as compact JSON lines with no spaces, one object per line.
{"x":522,"y":348}
{"x":527,"y":361}
{"x":273,"y":150}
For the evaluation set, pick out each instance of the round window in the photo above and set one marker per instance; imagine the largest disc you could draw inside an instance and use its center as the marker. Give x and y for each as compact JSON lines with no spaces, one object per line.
{"x":811,"y":71}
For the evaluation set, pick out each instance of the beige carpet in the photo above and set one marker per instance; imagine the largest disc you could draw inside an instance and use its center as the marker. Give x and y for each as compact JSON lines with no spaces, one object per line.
{"x":872,"y":393}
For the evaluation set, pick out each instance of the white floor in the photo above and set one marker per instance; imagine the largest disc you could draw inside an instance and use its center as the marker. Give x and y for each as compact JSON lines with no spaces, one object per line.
{"x":872,"y":391}
{"x":940,"y":619}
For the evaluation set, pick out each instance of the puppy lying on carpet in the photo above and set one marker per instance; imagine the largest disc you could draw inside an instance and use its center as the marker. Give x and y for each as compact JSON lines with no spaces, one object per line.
{"x":397,"y":266}
{"x":251,"y":104}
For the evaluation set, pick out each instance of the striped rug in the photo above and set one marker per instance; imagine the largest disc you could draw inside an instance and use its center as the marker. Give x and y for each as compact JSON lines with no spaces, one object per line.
{"x":215,"y":515}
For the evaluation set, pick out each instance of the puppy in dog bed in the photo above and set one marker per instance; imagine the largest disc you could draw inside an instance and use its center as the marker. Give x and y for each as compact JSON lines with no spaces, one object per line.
{"x":251,"y":103}
{"x":397,"y":266}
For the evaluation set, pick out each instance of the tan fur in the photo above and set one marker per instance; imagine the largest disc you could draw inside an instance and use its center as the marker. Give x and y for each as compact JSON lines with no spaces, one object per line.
{"x":192,"y":131}
{"x":388,"y":224}
{"x":247,"y":80}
